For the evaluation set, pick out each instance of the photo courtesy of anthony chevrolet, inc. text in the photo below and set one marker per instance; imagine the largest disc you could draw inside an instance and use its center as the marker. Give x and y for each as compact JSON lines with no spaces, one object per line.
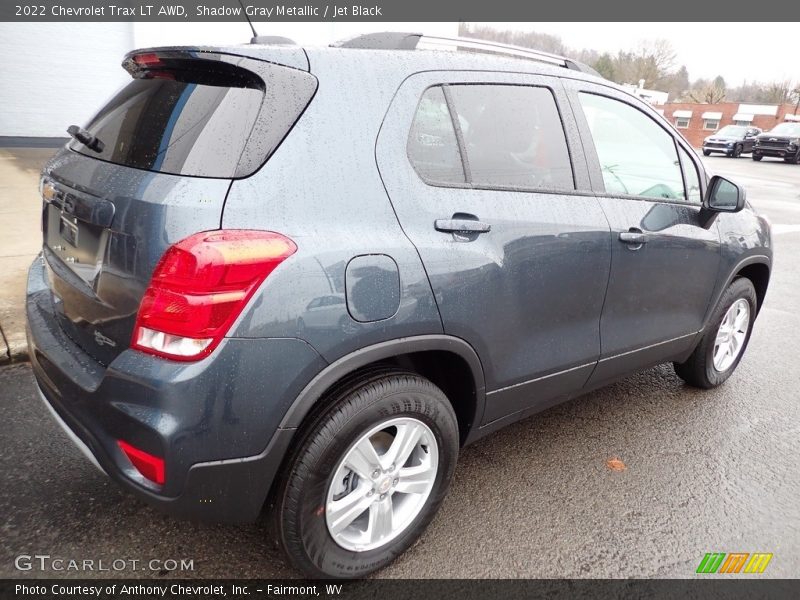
{"x":423,"y":299}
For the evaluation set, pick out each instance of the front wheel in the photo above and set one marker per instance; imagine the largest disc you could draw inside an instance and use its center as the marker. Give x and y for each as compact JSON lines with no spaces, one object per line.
{"x":368,"y":476}
{"x":722,"y":345}
{"x":737,"y":151}
{"x":756,"y":157}
{"x":706,"y":153}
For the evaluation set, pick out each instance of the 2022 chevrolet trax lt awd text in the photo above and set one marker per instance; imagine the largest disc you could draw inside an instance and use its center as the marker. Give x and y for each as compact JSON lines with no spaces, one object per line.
{"x":301,"y":279}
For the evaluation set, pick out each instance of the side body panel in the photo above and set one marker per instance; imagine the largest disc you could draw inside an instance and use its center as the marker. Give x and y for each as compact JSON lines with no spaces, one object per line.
{"x":526,"y":295}
{"x":322,"y":189}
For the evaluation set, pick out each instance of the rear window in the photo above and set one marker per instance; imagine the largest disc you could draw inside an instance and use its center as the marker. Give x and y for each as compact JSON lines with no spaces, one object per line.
{"x":193,"y":122}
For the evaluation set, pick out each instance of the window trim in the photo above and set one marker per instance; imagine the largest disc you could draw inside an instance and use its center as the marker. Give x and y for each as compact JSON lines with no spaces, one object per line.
{"x":707,"y":128}
{"x":678,"y":149}
{"x":688,"y":122}
{"x":457,"y":133}
{"x":468,"y":185}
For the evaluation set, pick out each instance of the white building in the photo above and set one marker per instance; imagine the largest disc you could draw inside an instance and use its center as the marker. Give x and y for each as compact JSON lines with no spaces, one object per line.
{"x":654,"y":97}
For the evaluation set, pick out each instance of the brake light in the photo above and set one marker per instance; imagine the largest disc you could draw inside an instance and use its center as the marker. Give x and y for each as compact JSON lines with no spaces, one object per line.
{"x":151,"y":467}
{"x":150,"y":59}
{"x":200,"y":287}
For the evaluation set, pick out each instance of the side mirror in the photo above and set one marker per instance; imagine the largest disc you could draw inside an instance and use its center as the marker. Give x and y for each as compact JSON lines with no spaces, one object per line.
{"x":723,"y":195}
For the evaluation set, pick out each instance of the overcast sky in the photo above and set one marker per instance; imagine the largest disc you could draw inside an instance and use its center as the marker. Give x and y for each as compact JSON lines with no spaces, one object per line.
{"x":707,"y":49}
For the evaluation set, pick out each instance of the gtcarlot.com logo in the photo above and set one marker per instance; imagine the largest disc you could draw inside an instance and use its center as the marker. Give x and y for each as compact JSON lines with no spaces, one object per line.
{"x":45,"y":562}
{"x":735,"y":562}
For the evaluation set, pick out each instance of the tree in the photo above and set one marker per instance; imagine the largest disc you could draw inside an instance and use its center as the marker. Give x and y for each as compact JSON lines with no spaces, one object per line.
{"x":774,"y":92}
{"x":708,"y":92}
{"x":605,"y":66}
{"x":677,"y":84}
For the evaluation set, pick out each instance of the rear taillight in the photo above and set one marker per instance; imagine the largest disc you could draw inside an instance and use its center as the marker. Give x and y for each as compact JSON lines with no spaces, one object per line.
{"x":200,"y":287}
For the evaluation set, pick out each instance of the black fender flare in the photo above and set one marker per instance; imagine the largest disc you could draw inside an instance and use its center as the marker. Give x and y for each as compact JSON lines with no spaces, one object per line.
{"x":753,"y":259}
{"x":317,"y":387}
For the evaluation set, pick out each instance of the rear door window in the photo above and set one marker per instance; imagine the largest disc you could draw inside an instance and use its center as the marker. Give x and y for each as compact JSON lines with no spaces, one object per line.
{"x":490,"y":136}
{"x":513,"y":137}
{"x":198,"y":124}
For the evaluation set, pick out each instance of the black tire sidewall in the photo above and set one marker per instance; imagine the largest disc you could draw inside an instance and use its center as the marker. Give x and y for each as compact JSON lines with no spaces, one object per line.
{"x":739,"y":289}
{"x":320,"y":555}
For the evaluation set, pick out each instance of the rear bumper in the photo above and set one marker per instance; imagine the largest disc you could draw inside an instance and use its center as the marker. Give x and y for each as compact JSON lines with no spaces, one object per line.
{"x":215,"y":422}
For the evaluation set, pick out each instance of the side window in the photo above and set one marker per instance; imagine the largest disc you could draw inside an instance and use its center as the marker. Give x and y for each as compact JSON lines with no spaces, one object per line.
{"x":513,"y":137}
{"x":691,"y":176}
{"x":432,"y":147}
{"x":637,"y":157}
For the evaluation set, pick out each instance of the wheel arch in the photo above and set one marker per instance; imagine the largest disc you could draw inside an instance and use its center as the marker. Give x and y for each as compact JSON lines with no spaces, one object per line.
{"x":449,"y":362}
{"x":758,"y":273}
{"x":757,"y":268}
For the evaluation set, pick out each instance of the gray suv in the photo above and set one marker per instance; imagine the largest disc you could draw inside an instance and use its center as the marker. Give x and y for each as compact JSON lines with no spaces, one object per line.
{"x":302,"y":279}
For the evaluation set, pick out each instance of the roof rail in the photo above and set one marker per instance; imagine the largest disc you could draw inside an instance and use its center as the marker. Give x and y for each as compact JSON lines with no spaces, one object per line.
{"x":392,"y":40}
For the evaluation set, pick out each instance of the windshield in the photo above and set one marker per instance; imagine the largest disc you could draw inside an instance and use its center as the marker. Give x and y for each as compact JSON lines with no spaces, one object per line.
{"x":732,"y":130}
{"x":787,"y":129}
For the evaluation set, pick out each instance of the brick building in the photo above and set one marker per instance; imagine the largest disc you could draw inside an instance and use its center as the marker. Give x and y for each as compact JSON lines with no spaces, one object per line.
{"x":697,"y":121}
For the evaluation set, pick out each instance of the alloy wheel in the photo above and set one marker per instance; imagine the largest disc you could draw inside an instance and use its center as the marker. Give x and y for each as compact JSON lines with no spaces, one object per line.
{"x":381,"y":484}
{"x":731,"y":335}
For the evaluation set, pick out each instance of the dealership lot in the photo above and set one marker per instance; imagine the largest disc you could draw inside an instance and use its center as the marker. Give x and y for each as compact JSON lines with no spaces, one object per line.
{"x":703,"y":471}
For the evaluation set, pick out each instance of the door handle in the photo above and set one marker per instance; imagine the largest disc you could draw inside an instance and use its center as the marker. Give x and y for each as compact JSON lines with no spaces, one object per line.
{"x":461,"y":226}
{"x":634,"y":237}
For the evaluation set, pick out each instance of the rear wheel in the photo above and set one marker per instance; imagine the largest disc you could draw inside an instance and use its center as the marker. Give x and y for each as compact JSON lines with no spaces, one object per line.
{"x":737,"y":151}
{"x":368,"y":477}
{"x":722,"y":346}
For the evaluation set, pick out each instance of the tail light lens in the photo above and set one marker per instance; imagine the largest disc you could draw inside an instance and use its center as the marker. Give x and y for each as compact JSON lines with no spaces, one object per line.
{"x":150,"y":59}
{"x":200,"y":287}
{"x":151,"y":467}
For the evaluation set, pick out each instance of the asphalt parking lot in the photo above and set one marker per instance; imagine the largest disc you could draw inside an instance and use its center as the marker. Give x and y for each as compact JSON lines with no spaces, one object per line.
{"x":712,"y":471}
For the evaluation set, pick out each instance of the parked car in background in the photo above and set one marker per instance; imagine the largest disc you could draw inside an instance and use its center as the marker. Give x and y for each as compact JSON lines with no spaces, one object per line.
{"x":270,"y":281}
{"x":783,"y":141}
{"x":731,"y":140}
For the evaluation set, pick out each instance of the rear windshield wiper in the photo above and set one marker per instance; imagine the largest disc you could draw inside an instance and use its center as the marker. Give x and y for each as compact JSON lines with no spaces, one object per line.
{"x":86,"y":138}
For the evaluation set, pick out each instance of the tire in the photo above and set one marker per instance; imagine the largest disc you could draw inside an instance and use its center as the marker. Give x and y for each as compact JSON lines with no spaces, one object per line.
{"x":737,"y":151}
{"x":701,"y":370}
{"x":312,"y":474}
{"x":756,"y":157}
{"x":706,"y":153}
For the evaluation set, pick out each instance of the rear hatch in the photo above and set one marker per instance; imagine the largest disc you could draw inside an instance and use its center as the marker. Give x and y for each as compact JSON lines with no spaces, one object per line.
{"x":170,"y":143}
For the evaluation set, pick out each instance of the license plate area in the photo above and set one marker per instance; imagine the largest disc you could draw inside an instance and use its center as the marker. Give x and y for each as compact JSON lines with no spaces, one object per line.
{"x":68,"y":231}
